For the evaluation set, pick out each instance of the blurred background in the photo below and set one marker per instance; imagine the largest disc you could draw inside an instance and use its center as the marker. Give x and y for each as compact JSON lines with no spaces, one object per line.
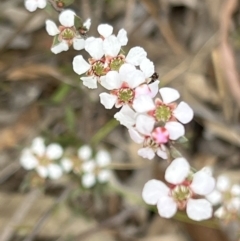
{"x":195,"y":46}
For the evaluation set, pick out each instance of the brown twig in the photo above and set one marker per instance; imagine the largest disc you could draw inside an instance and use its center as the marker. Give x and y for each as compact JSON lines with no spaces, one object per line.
{"x":8,"y":171}
{"x":86,"y":9}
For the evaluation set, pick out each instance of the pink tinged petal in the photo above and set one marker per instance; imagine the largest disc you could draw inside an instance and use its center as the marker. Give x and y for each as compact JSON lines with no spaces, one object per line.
{"x":80,"y":66}
{"x":66,"y":18}
{"x":177,"y":171}
{"x":111,"y":46}
{"x":126,"y":116}
{"x":108,"y":100}
{"x":235,"y":190}
{"x":214,"y":197}
{"x":202,"y":183}
{"x":153,"y":190}
{"x":125,"y":69}
{"x":136,"y":55}
{"x":103,"y":158}
{"x":147,"y":68}
{"x":145,"y":124}
{"x":111,"y":81}
{"x":154,"y":88}
{"x":105,"y":30}
{"x":38,"y":147}
{"x":169,"y":94}
{"x":223,"y":183}
{"x":28,"y":160}
{"x":54,"y":171}
{"x":88,"y":180}
{"x":166,"y":207}
{"x":183,"y":112}
{"x":67,"y":164}
{"x":94,"y":46}
{"x":161,"y":152}
{"x":78,"y":43}
{"x":30,"y":5}
{"x":142,"y":90}
{"x":63,"y":46}
{"x":85,"y":152}
{"x":135,"y":78}
{"x":54,"y":151}
{"x":160,"y":135}
{"x":90,"y":82}
{"x":199,"y":209}
{"x":87,"y":24}
{"x":122,"y":37}
{"x":175,"y":130}
{"x":51,"y":28}
{"x":136,"y":137}
{"x":146,"y":152}
{"x":143,"y":103}
{"x":42,"y":171}
{"x":42,"y":3}
{"x":104,"y":176}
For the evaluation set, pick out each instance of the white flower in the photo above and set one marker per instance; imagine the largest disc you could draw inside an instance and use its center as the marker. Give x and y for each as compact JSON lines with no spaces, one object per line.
{"x":95,"y":169}
{"x":41,"y":158}
{"x":181,"y":194}
{"x":32,"y":5}
{"x":66,"y":34}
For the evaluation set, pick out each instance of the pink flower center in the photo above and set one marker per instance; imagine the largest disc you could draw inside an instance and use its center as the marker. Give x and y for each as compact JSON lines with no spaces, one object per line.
{"x":160,"y":135}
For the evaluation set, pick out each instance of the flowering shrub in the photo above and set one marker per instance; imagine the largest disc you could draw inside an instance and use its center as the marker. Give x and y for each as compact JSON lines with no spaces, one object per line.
{"x":151,"y":114}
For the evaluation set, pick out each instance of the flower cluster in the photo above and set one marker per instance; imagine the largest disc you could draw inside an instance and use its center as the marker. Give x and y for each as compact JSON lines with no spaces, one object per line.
{"x":227,"y":197}
{"x":183,"y":192}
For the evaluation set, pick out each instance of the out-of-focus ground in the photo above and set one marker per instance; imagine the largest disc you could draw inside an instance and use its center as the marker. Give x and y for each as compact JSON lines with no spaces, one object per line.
{"x":195,"y":47}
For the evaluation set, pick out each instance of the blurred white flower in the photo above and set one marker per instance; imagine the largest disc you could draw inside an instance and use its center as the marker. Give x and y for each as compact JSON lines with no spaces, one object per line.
{"x":32,"y":5}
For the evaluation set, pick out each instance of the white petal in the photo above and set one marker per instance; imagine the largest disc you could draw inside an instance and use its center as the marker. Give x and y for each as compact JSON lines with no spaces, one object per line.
{"x":234,"y":204}
{"x":153,"y":190}
{"x":28,"y":160}
{"x":30,"y":5}
{"x":85,"y":152}
{"x":143,"y":103}
{"x":154,"y":88}
{"x":214,"y":197}
{"x":161,"y":152}
{"x":88,"y":166}
{"x":108,"y":100}
{"x":103,"y":158}
{"x":125,"y":69}
{"x":66,"y":18}
{"x":87,"y":24}
{"x":145,"y":124}
{"x":220,"y":213}
{"x":169,"y":94}
{"x":166,"y":207}
{"x":146,"y":152}
{"x":122,"y":37}
{"x":67,"y":164}
{"x":235,"y":190}
{"x":202,"y":183}
{"x":136,"y":136}
{"x":177,"y":171}
{"x":135,"y":78}
{"x":111,"y":46}
{"x":105,"y":30}
{"x":147,"y":68}
{"x":223,"y":183}
{"x":38,"y":147}
{"x":62,"y":46}
{"x":42,"y":171}
{"x":94,"y":46}
{"x":175,"y":129}
{"x":54,"y":151}
{"x":126,"y":116}
{"x":104,"y":176}
{"x":42,"y":3}
{"x":78,"y":43}
{"x":111,"y":81}
{"x":51,"y":28}
{"x":136,"y":55}
{"x":199,"y":209}
{"x":54,"y":171}
{"x":90,"y":82}
{"x":80,"y":66}
{"x":88,"y":180}
{"x":183,"y":112}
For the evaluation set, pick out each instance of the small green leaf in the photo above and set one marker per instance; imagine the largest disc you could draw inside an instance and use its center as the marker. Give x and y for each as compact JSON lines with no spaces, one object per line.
{"x":78,"y":22}
{"x":174,"y":152}
{"x":182,"y":139}
{"x":55,"y":41}
{"x":60,"y":93}
{"x":70,"y":118}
